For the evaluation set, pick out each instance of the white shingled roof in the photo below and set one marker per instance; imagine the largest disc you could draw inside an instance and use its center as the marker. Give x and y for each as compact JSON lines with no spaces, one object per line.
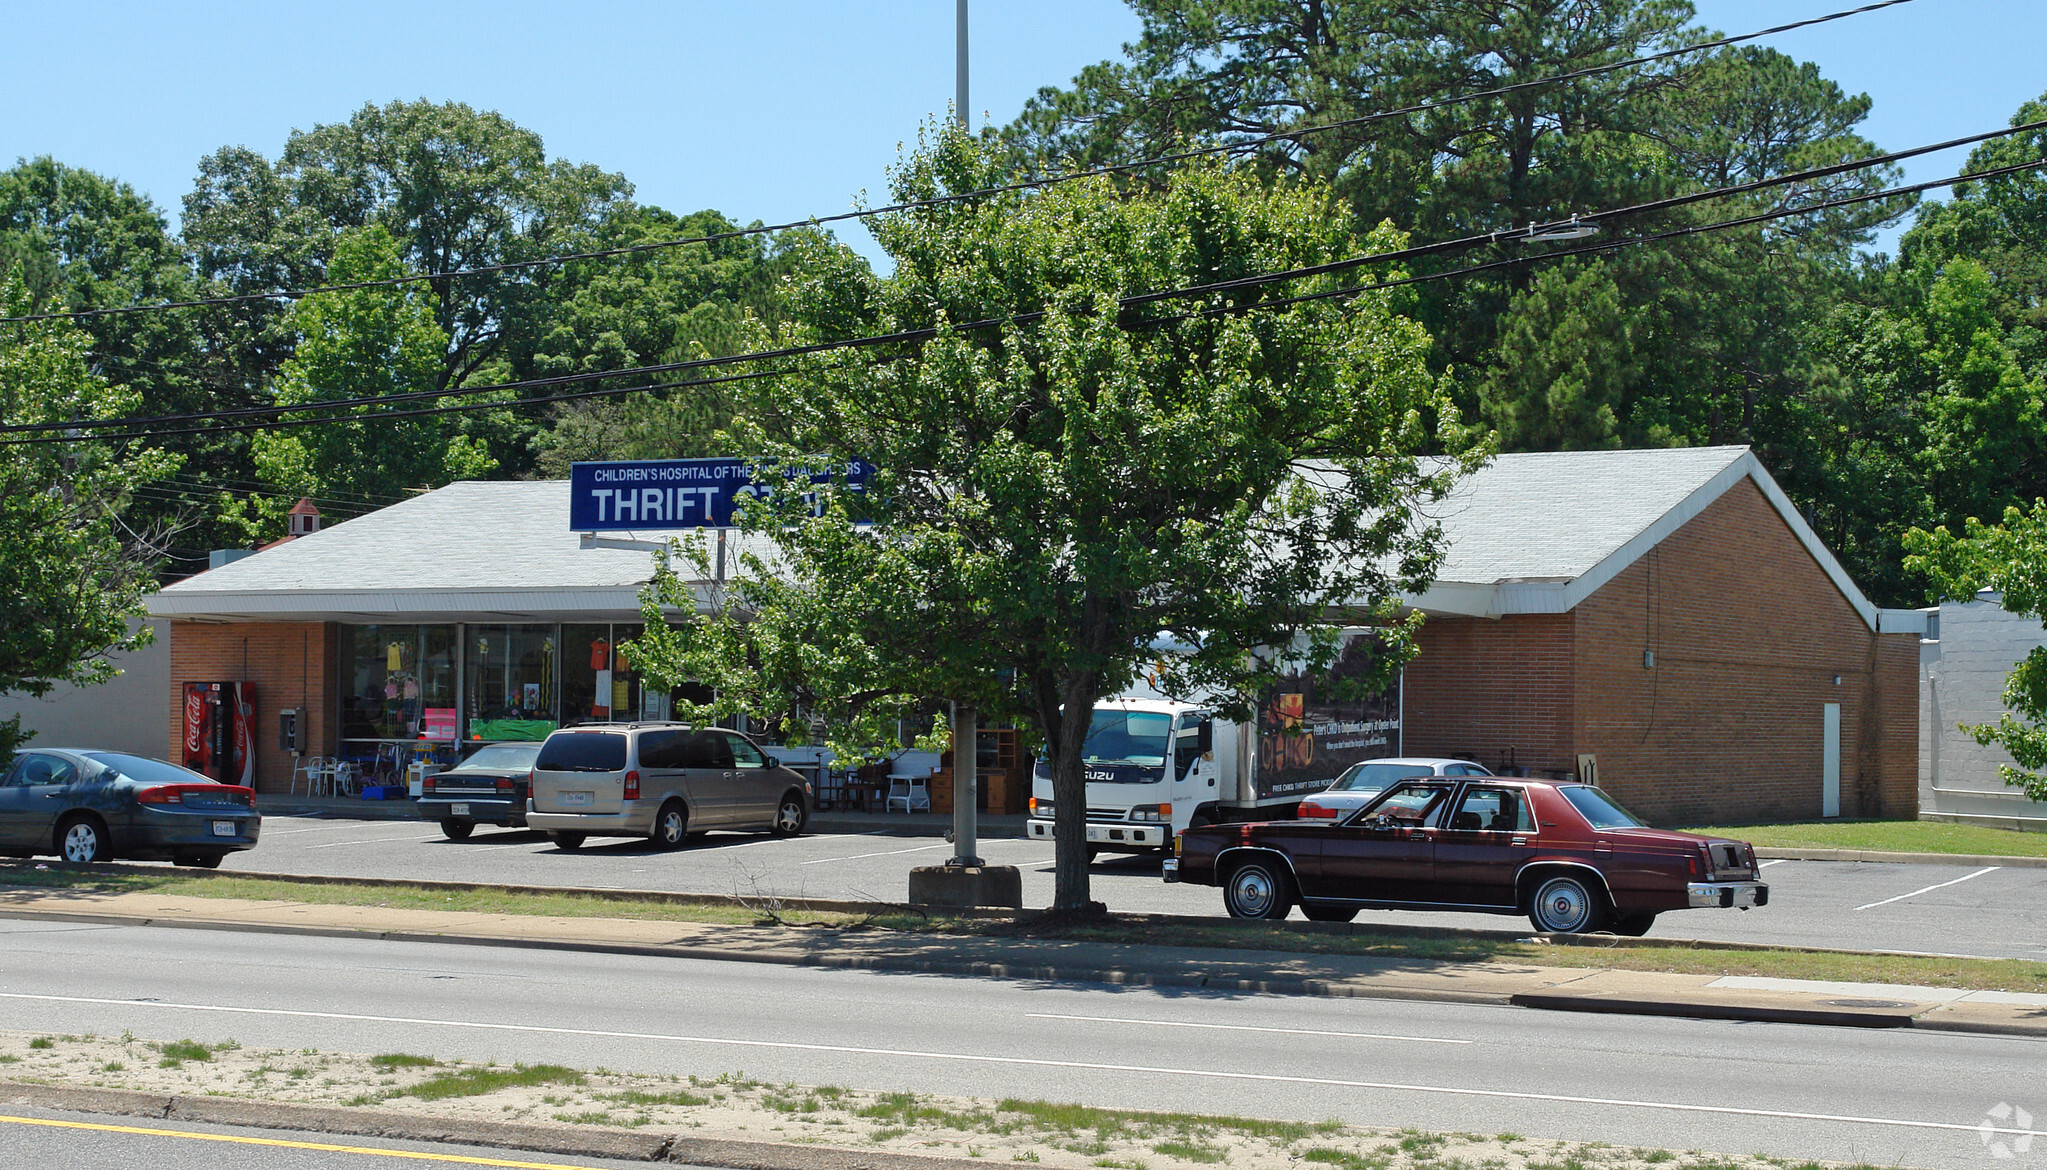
{"x":1535,"y":533}
{"x":503,"y":550}
{"x":1540,"y":532}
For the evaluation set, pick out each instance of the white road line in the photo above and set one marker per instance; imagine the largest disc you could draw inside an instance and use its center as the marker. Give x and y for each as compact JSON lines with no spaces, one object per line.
{"x":374,"y":841}
{"x":889,"y":853}
{"x":1029,"y":1062}
{"x":1768,"y":864}
{"x":1935,"y":886}
{"x":1243,"y":1028}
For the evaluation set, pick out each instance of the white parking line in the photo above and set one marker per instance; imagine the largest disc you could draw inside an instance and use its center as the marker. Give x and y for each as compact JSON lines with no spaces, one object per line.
{"x":373,"y":841}
{"x":889,"y":853}
{"x":1982,"y":1128}
{"x":1935,"y":886}
{"x":1768,"y":864}
{"x":1243,"y":1028}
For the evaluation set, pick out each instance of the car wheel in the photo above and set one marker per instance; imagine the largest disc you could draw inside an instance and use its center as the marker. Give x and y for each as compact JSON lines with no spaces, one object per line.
{"x":1259,"y":889}
{"x":567,"y":842}
{"x":1329,"y":913}
{"x":198,"y":860}
{"x":82,"y":839}
{"x":458,"y":830}
{"x":792,"y":815}
{"x":671,"y":826}
{"x":1567,"y":905}
{"x":1634,"y":925}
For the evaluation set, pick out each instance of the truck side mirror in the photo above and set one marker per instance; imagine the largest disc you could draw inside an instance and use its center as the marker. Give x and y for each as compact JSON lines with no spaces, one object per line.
{"x":1204,"y":737}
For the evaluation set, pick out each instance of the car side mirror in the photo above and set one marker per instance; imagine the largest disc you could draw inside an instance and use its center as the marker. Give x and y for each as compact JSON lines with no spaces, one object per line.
{"x":774,"y":761}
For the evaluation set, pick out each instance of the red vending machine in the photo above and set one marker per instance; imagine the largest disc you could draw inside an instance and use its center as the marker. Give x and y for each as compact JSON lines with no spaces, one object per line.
{"x":220,"y":731}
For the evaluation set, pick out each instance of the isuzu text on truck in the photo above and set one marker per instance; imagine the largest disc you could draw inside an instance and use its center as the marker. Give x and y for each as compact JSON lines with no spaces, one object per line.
{"x":1155,"y":766}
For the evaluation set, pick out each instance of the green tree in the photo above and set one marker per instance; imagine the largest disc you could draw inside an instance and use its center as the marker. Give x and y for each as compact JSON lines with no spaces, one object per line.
{"x":1696,"y":340}
{"x":458,"y":188}
{"x":72,"y":570}
{"x":2010,"y":558}
{"x":364,"y":343}
{"x":110,"y":247}
{"x":1056,"y":491}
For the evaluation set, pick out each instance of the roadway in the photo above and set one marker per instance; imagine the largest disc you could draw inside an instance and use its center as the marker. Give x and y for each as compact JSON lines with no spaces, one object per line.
{"x":1800,"y":1092}
{"x":1968,"y":910}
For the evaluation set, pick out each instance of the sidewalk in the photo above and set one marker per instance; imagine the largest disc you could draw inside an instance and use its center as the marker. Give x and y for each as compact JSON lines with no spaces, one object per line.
{"x":1241,"y":971}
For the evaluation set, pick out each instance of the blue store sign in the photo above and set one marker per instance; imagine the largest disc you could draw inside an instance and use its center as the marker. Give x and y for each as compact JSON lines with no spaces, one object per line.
{"x":644,"y":494}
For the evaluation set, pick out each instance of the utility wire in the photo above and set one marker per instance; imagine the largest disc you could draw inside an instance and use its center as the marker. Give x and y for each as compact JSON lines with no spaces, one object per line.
{"x":1234,"y":145}
{"x":1530,"y":232}
{"x":1606,"y":246}
{"x":1252,"y":306}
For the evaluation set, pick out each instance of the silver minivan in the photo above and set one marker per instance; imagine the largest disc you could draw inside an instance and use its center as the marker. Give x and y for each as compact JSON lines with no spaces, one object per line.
{"x":662,"y":781}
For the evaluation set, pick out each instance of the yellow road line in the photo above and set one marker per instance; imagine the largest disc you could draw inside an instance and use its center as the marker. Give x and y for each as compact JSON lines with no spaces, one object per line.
{"x":460,"y":1159}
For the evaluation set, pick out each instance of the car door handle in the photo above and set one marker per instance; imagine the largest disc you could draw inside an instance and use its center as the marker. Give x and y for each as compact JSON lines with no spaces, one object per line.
{"x":1520,"y":840}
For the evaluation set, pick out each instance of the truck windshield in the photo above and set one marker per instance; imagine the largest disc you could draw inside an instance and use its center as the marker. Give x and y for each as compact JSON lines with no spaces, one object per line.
{"x":1127,"y":737}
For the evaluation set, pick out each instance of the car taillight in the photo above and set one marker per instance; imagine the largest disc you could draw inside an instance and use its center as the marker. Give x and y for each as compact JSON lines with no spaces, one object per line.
{"x":632,"y":785}
{"x":176,"y":793}
{"x":504,"y":784}
{"x":1702,"y":861}
{"x":427,"y":784}
{"x":1310,"y":810}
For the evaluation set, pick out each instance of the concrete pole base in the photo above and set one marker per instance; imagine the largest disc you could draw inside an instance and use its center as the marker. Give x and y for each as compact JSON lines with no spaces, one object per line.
{"x":963,"y":887}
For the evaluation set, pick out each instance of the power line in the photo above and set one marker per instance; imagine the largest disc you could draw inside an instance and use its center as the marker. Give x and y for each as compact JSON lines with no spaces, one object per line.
{"x":1025,"y":318}
{"x":1132,"y":301}
{"x":1235,"y":145}
{"x":1609,"y":245}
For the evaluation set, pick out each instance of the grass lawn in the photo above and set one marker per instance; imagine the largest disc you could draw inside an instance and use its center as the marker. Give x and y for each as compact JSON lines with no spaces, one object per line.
{"x":1388,"y":943}
{"x":1888,"y":836}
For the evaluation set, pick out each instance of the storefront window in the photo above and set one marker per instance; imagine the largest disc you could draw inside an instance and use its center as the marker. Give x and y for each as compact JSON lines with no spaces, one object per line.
{"x":513,"y":674}
{"x":393,"y":677}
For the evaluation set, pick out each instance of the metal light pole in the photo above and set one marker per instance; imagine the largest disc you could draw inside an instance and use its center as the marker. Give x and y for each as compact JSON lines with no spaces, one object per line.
{"x":960,"y":102}
{"x":966,"y":735}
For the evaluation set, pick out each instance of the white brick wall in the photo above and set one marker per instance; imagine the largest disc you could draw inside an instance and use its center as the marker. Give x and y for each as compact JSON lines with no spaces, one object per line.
{"x":1961,"y":680}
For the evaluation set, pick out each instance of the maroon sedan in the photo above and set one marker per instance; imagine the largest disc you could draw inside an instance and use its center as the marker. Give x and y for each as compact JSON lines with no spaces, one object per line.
{"x":1562,"y":853}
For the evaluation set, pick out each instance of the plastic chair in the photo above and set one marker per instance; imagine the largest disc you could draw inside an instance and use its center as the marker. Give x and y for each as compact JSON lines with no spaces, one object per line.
{"x":342,"y":778}
{"x":310,"y":768}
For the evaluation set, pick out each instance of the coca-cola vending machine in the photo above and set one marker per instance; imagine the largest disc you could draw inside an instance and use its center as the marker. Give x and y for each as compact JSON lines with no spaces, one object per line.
{"x":220,"y":731}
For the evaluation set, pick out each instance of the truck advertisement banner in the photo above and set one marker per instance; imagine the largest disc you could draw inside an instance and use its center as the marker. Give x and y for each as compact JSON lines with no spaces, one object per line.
{"x":1308,"y":733}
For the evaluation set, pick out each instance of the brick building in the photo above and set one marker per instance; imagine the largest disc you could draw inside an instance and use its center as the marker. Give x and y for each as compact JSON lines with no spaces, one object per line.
{"x":1667,"y":618}
{"x":1664,"y":616}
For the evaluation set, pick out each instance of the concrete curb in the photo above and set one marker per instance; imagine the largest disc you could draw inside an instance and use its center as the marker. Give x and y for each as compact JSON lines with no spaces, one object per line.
{"x":1958,"y":859}
{"x":1715,"y":1011}
{"x":561,"y":1141}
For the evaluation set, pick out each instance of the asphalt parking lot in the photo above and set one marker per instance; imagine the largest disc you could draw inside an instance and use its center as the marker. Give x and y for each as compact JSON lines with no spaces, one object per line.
{"x":1969,"y":910}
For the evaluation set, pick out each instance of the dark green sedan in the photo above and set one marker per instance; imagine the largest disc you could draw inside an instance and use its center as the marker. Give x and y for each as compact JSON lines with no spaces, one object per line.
{"x":86,"y":805}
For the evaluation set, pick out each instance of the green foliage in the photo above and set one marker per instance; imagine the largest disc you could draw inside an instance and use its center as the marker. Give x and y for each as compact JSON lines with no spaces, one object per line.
{"x":2010,"y":558}
{"x":1056,"y":491}
{"x":72,"y":570}
{"x":364,"y":343}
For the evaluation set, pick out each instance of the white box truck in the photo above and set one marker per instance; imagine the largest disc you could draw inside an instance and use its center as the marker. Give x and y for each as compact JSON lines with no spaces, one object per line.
{"x":1156,"y":765}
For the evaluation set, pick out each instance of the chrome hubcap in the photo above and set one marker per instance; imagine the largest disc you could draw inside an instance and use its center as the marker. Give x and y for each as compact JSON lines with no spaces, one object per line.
{"x":1564,"y":907}
{"x":1254,"y":892}
{"x":792,"y":817}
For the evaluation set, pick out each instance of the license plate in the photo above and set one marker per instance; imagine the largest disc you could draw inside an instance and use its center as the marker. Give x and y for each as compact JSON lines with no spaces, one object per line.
{"x":224,"y":828}
{"x":575,"y":798}
{"x":460,"y":810}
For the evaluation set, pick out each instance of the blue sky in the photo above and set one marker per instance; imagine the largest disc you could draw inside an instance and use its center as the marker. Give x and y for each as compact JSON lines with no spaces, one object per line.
{"x":761,"y":111}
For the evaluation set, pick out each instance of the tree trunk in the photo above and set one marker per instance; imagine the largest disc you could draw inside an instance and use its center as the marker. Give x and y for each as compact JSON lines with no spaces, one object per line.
{"x":1077,"y":694}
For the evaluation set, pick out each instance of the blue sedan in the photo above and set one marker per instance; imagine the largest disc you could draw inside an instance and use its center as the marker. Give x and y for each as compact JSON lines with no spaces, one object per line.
{"x":87,"y":805}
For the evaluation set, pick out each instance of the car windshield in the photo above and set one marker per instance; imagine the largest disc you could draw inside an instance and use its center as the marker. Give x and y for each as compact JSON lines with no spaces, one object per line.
{"x":1599,"y":808}
{"x":146,"y":770}
{"x":501,"y":757}
{"x":1127,"y":737}
{"x":582,"y":751}
{"x":1373,"y":777}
